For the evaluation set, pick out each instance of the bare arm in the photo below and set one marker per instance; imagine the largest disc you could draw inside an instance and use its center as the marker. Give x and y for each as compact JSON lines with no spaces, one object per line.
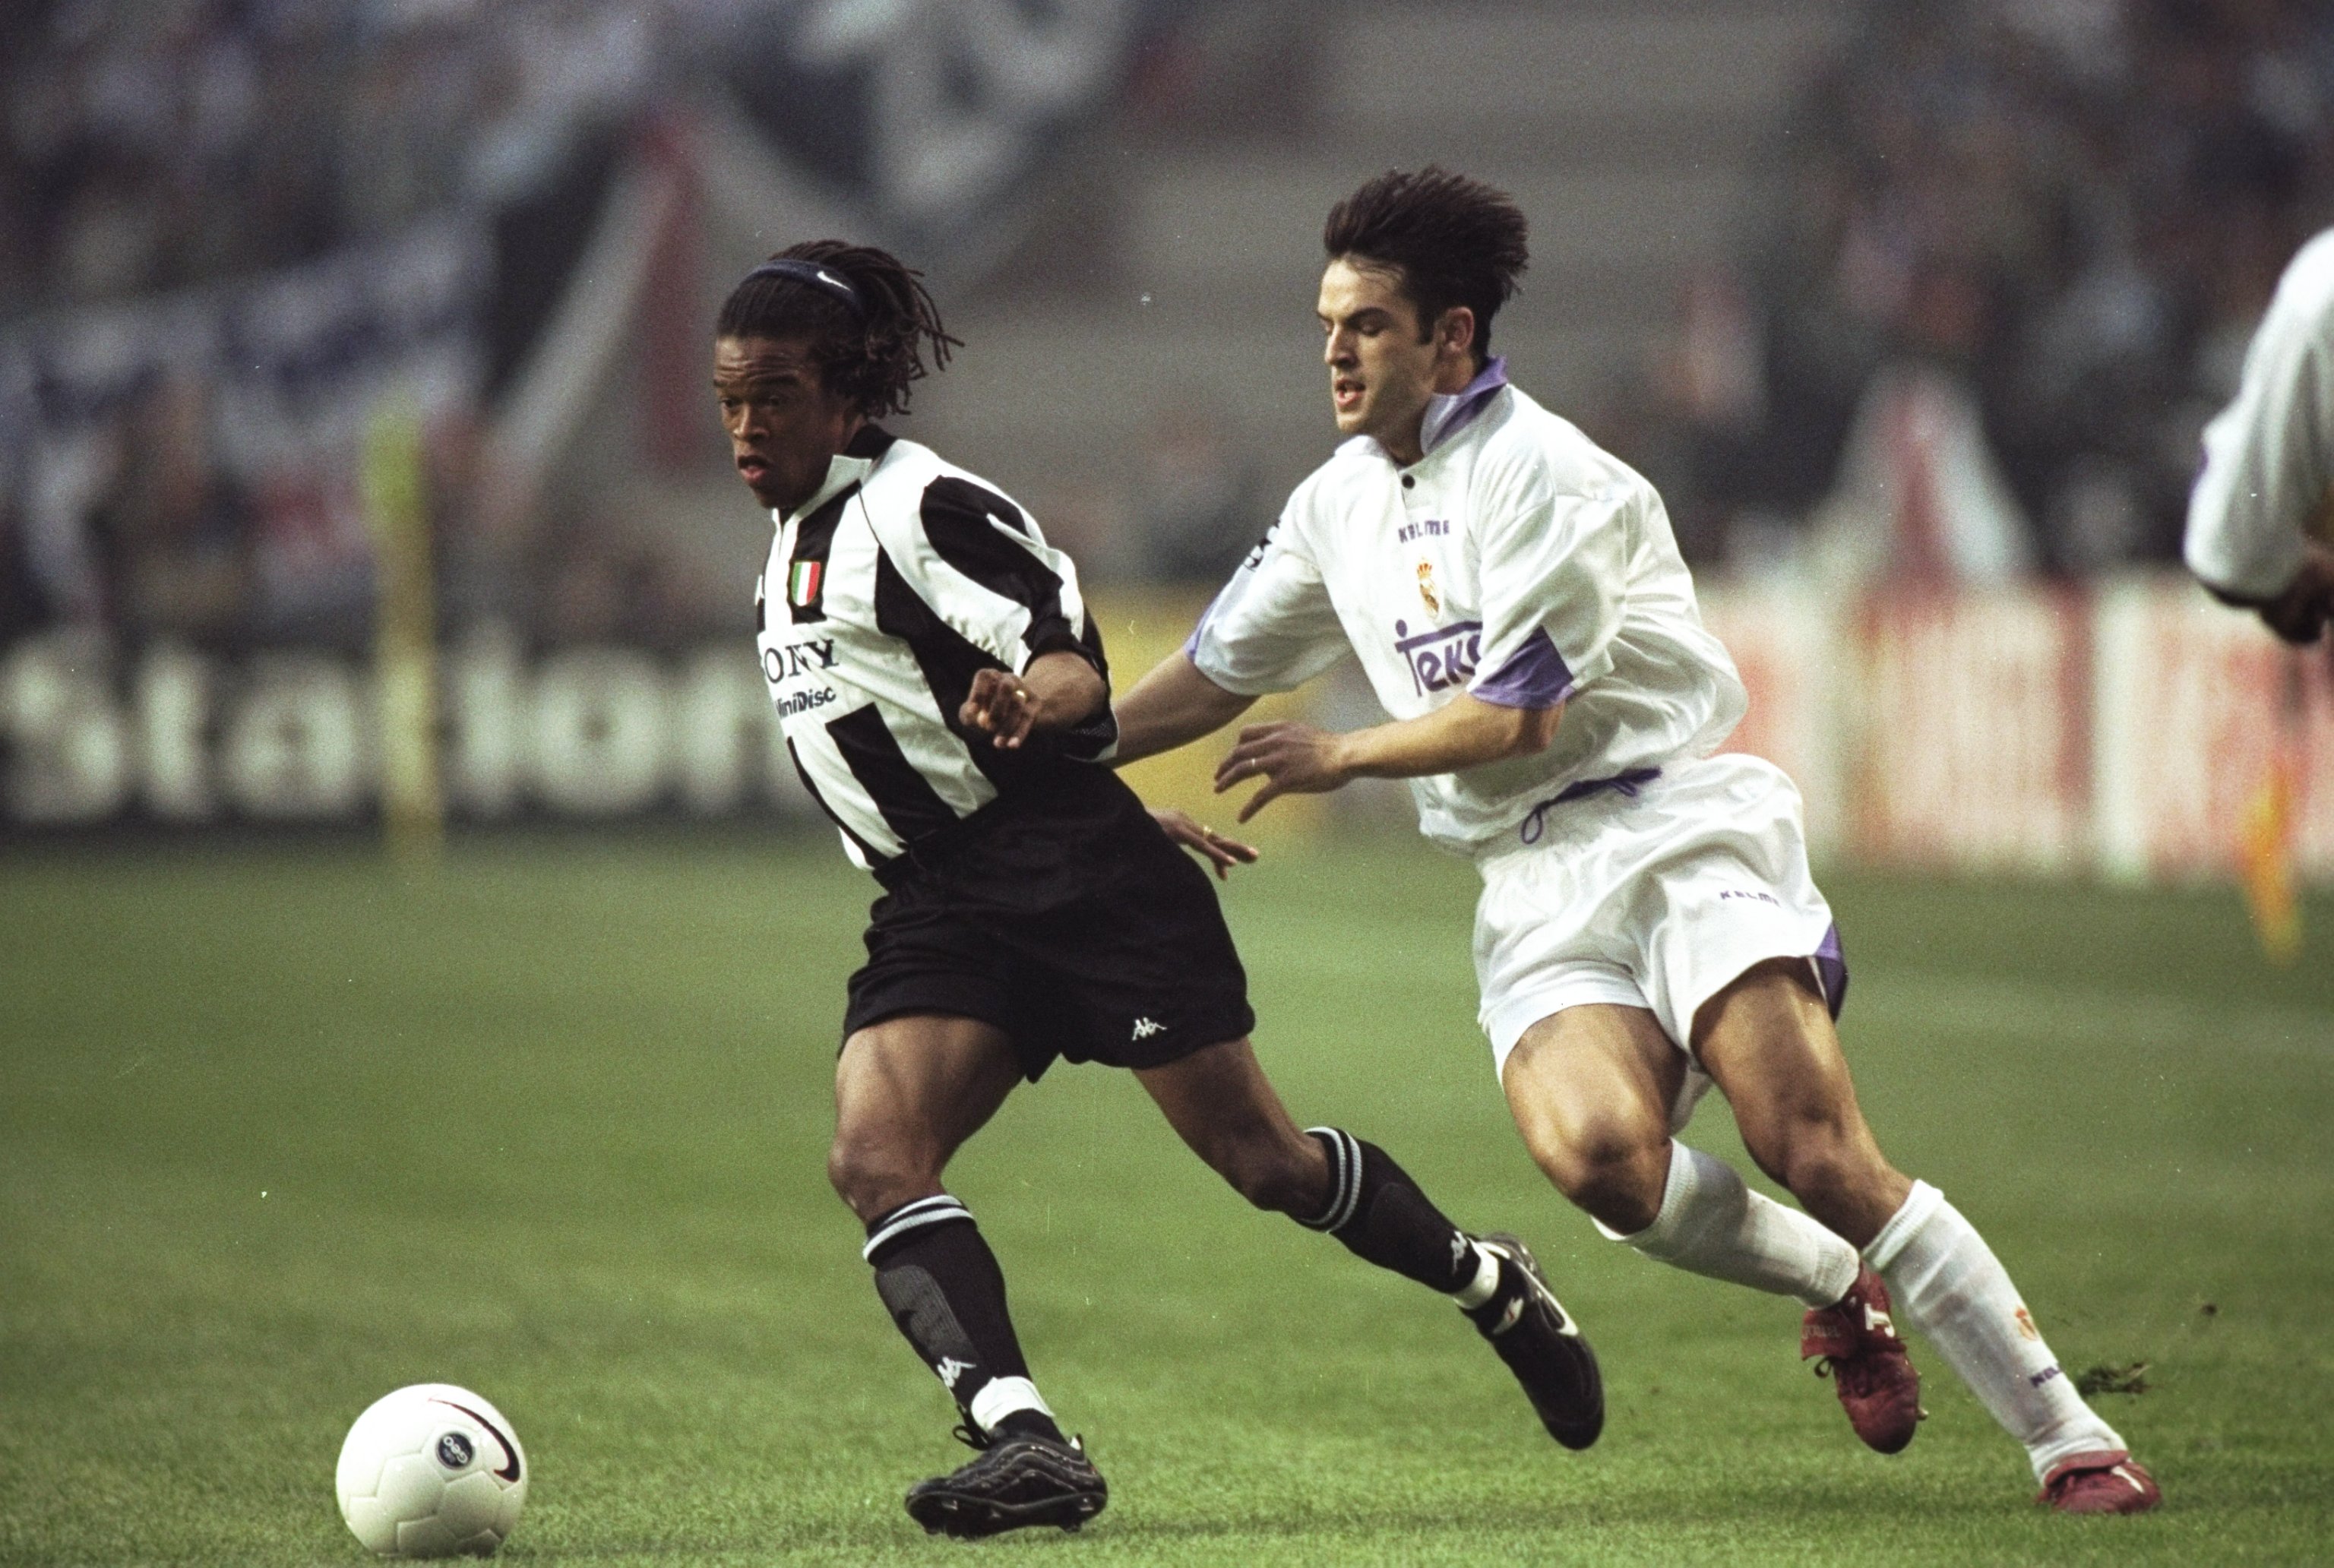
{"x":1173,"y":705}
{"x":1058,"y":690}
{"x":1463,"y":732}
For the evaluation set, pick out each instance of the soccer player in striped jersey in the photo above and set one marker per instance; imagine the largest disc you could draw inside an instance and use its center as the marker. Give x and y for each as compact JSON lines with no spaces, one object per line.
{"x":944,"y":693}
{"x":1648,"y":925}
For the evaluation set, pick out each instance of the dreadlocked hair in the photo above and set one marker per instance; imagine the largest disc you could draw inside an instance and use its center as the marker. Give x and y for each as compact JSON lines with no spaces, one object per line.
{"x":1449,"y":240}
{"x":872,"y":360}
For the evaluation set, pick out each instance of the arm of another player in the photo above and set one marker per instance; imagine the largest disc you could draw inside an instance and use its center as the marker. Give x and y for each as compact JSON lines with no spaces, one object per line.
{"x":1271,"y":629}
{"x":1463,"y":732}
{"x":2301,"y":613}
{"x":1173,"y":706}
{"x":2261,"y":519}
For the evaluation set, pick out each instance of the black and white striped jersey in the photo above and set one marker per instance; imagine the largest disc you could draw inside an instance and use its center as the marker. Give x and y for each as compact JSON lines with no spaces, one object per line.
{"x":885,"y":593}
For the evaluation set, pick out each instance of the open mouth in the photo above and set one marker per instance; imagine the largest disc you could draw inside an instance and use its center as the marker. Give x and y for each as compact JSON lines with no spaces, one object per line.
{"x":1345,"y":394}
{"x":754,"y":470}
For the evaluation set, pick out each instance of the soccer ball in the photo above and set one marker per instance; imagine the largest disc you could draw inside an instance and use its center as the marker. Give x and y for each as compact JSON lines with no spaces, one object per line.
{"x":430,"y":1471}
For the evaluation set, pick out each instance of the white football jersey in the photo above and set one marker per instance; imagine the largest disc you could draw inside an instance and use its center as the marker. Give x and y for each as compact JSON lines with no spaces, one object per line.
{"x":2269,"y":457}
{"x":1517,"y":560}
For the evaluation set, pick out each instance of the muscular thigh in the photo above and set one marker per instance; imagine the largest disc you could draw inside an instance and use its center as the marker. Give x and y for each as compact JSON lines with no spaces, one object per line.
{"x":922,"y":1081}
{"x":1767,"y":1040}
{"x":1589,"y":1077}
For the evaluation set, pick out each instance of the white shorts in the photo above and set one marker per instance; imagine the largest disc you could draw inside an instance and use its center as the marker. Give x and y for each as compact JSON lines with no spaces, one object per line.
{"x":1657,"y":896}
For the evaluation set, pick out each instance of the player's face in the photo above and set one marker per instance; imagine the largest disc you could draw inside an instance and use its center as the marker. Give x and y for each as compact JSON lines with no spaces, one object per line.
{"x":785,"y":426}
{"x":1382,"y":367}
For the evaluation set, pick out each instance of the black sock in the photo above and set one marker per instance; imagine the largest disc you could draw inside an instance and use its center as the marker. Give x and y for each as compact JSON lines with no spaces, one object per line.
{"x":1379,"y":1214}
{"x":1028,"y":1424}
{"x":942,"y":1287}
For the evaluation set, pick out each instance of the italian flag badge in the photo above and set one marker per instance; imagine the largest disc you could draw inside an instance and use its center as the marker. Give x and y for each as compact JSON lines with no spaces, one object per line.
{"x":803,"y":582}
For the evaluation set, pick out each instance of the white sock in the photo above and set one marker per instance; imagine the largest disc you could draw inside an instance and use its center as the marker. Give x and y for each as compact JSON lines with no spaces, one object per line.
{"x":1711,"y":1224}
{"x":1001,"y":1397}
{"x":1947,"y":1284}
{"x":1487,"y":1279}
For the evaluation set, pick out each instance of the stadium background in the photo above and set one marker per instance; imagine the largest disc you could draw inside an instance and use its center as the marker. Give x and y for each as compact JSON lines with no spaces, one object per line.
{"x":1913,"y":311}
{"x":356,"y":466}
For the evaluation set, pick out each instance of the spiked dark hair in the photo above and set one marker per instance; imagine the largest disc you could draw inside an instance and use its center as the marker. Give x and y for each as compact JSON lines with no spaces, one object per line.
{"x":1448,"y":239}
{"x":869,"y":338}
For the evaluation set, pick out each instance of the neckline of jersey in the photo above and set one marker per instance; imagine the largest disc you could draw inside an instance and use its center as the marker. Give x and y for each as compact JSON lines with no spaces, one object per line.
{"x":845,"y":469}
{"x":1446,"y":414}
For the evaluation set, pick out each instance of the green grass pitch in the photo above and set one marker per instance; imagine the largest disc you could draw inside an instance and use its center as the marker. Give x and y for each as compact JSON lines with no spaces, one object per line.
{"x":279,"y":1132}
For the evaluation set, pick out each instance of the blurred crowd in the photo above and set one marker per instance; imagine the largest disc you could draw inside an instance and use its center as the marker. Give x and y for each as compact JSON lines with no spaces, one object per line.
{"x":180,"y":175}
{"x":153,"y":144}
{"x":2022,"y":239}
{"x":171,"y":153}
{"x":2064,"y":215}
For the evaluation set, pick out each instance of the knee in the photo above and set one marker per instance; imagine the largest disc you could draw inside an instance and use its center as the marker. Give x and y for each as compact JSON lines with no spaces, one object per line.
{"x":1273,"y":1176}
{"x":1613,"y":1167}
{"x":875,"y":1171}
{"x":1818,"y":1157}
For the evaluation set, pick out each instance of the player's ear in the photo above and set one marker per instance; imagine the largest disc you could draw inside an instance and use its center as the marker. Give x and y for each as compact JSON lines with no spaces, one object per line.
{"x":1455,"y":331}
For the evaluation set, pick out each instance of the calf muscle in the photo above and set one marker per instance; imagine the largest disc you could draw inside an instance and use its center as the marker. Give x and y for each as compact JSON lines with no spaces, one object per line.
{"x":1219,"y":1101}
{"x":1768,"y":1042}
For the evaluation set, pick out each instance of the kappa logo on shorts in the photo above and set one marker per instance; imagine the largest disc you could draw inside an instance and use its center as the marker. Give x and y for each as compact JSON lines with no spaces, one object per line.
{"x":1144,"y":1028}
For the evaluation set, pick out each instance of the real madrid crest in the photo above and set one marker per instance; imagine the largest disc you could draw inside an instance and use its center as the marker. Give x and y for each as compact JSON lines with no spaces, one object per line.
{"x":1426,"y":588}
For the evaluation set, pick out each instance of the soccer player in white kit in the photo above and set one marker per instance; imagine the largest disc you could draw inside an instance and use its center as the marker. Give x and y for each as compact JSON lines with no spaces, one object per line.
{"x":2260,"y":521}
{"x":1647,"y":925}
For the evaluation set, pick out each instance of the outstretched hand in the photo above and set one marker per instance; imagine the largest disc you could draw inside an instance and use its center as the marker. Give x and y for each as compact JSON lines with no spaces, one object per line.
{"x":1222,"y":852}
{"x":1291,"y":758}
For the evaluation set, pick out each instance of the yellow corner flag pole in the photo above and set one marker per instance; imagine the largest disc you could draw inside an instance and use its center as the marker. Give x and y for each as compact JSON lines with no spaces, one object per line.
{"x":405,"y":635}
{"x":2265,"y":833}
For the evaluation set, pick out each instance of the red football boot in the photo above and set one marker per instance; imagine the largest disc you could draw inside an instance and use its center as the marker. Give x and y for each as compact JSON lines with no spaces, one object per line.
{"x":2108,"y":1482}
{"x":1866,"y":1363}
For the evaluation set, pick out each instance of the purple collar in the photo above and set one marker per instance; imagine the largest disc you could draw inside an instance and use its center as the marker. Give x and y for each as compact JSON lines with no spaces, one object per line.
{"x":1448,"y":414}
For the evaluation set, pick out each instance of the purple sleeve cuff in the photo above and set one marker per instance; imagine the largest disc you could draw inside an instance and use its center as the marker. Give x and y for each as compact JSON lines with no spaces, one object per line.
{"x":1831,"y":965}
{"x":1192,"y":643}
{"x":1535,"y":677}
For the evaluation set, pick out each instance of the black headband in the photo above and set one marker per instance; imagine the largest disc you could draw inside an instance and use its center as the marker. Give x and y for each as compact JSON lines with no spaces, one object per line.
{"x":817,"y":277}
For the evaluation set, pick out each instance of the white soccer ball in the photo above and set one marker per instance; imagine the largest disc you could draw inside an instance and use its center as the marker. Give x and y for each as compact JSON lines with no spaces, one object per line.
{"x":431,"y":1471}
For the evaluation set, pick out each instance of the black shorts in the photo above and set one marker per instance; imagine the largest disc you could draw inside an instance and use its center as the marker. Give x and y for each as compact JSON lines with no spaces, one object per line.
{"x":1065,"y":918}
